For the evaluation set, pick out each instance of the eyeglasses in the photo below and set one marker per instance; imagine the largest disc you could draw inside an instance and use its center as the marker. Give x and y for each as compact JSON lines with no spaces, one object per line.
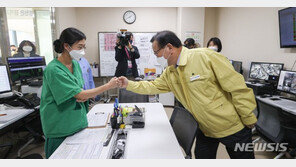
{"x":156,"y":52}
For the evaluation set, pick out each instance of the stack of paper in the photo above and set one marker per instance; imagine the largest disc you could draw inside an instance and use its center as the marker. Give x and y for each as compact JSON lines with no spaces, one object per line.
{"x":11,"y":114}
{"x":78,"y":151}
{"x":97,"y":120}
{"x":86,"y":144}
{"x":94,"y":136}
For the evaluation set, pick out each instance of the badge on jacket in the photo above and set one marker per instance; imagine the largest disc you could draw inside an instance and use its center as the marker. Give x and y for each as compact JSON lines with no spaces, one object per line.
{"x":193,"y":78}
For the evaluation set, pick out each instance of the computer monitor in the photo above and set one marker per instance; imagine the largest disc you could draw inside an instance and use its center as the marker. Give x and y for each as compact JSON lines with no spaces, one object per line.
{"x":237,"y":65}
{"x":5,"y":85}
{"x":287,"y":82}
{"x":262,"y":70}
{"x":26,"y":68}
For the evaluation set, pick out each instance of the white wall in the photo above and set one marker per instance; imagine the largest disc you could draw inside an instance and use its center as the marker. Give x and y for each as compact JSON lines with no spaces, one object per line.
{"x":65,"y":17}
{"x":191,"y":19}
{"x":252,"y":34}
{"x":94,"y":20}
{"x":210,"y":24}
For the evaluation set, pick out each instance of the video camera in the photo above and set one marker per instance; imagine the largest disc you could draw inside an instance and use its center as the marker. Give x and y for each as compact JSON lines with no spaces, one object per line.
{"x":124,"y":38}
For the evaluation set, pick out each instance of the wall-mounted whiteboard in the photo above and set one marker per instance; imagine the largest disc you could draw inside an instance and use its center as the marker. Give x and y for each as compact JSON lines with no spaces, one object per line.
{"x":108,"y":63}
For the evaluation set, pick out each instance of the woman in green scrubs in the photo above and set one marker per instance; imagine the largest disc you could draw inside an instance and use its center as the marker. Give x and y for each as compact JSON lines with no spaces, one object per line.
{"x":64,"y":103}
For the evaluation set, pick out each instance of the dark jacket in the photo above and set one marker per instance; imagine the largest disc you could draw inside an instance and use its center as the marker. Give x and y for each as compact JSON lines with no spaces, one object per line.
{"x":121,"y":58}
{"x":21,"y":54}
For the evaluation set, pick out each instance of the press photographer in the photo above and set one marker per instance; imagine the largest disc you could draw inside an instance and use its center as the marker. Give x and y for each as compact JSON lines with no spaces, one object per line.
{"x":126,"y":55}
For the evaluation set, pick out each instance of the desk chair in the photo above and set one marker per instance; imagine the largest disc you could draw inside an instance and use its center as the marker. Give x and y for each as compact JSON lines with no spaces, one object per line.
{"x":268,"y":125}
{"x":8,"y":146}
{"x":185,"y":128}
{"x":288,"y":124}
{"x":126,"y":96}
{"x":34,"y":127}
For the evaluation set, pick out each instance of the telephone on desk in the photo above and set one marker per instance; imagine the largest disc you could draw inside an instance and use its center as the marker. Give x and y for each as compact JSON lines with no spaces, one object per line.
{"x":28,"y":100}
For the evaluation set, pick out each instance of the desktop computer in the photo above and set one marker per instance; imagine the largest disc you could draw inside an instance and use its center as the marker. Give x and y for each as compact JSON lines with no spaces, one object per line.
{"x":237,"y":65}
{"x":26,"y":70}
{"x":8,"y":97}
{"x":5,"y":85}
{"x":267,"y":74}
{"x":287,"y":82}
{"x":260,"y":71}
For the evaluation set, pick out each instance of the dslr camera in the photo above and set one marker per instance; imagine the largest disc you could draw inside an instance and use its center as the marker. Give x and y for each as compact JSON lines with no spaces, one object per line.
{"x":124,"y":38}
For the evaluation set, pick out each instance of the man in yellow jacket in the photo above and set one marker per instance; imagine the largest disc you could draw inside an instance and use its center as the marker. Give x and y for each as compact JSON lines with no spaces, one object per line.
{"x":207,"y":85}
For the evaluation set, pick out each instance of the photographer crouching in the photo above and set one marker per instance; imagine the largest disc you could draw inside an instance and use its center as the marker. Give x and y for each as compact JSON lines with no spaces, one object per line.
{"x":126,"y":55}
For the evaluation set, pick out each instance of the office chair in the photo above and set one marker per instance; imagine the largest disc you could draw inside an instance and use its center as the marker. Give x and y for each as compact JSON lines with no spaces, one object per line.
{"x":288,"y":124}
{"x":126,"y":96}
{"x":34,"y":127}
{"x":268,"y":125}
{"x":32,"y":156}
{"x":185,"y":128}
{"x":7,"y":145}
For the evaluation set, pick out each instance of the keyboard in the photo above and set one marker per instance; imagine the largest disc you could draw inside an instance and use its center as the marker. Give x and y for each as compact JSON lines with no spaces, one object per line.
{"x":274,"y":98}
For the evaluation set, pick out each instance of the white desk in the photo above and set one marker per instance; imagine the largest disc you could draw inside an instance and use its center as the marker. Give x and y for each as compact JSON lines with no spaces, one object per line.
{"x":167,"y":99}
{"x":156,"y":141}
{"x":17,"y":114}
{"x":286,"y":105}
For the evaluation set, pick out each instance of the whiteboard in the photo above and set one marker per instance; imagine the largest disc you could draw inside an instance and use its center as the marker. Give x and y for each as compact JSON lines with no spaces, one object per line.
{"x":108,"y":63}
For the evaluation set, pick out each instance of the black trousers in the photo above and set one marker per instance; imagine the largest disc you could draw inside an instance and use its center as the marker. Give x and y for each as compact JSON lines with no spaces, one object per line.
{"x":206,"y":147}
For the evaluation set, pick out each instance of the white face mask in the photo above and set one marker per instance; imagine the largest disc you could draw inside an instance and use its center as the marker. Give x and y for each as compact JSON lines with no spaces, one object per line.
{"x":77,"y":54}
{"x":27,"y":48}
{"x":214,"y":48}
{"x":162,"y":61}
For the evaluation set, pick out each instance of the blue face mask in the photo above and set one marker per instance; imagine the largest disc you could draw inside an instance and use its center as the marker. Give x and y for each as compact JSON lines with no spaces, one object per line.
{"x":131,"y":41}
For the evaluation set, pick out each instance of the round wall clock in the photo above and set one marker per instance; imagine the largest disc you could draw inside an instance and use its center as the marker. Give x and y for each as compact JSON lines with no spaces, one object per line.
{"x":129,"y":17}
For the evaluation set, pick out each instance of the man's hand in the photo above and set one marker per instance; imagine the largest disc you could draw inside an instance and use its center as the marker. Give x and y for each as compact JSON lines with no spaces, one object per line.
{"x":251,"y":126}
{"x":122,"y":82}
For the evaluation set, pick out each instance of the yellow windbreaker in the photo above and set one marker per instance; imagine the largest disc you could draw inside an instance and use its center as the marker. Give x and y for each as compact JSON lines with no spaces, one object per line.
{"x":207,"y":86}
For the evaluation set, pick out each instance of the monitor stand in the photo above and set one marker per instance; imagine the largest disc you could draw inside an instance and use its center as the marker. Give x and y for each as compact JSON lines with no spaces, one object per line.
{"x":5,"y":95}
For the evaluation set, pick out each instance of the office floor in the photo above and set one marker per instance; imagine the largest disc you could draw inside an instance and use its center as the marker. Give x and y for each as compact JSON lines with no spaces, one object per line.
{"x":39,"y":147}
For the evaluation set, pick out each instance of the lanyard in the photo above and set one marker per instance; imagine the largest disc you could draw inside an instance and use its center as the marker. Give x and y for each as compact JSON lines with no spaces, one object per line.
{"x":128,"y":56}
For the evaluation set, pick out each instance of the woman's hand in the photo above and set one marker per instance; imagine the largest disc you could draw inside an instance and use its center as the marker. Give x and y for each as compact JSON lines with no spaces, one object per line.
{"x":113,"y":83}
{"x":80,"y":100}
{"x":130,"y":46}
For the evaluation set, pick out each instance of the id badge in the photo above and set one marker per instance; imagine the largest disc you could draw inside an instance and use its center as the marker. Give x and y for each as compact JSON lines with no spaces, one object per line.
{"x":129,"y":64}
{"x":193,"y":78}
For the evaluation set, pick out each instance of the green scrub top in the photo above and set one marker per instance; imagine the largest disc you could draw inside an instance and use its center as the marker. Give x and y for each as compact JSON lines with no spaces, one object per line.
{"x":60,"y":114}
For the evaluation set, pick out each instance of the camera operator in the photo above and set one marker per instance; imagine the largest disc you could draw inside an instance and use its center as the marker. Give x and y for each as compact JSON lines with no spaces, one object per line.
{"x":126,"y":55}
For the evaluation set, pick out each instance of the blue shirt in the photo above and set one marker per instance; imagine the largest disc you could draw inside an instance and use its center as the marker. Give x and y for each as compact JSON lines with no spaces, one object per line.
{"x":86,"y":74}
